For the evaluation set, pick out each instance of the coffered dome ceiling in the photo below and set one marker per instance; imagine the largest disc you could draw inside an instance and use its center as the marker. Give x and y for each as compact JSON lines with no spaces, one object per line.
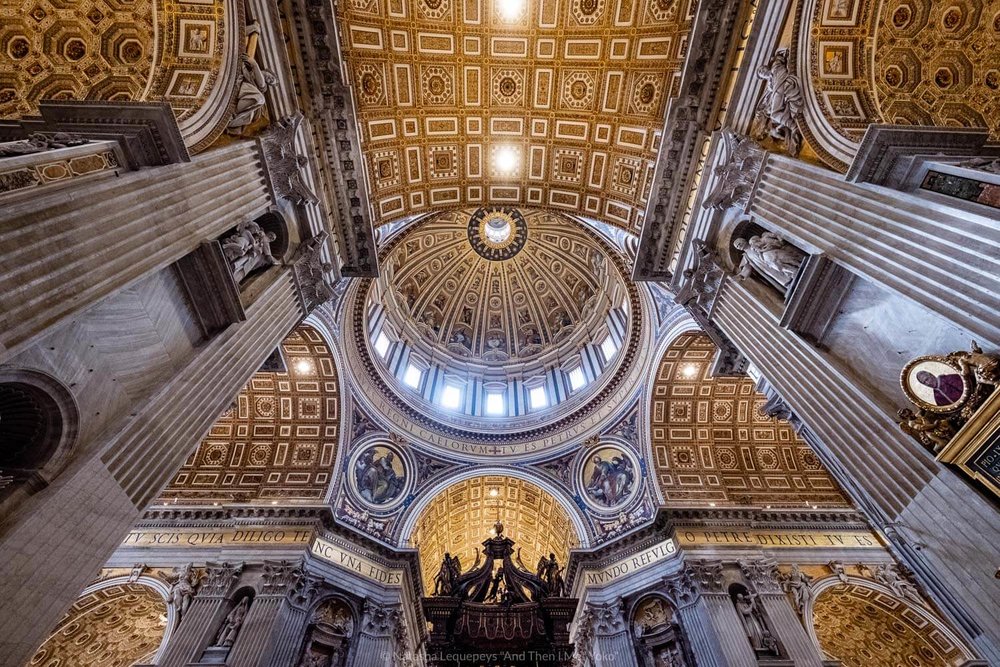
{"x":554,"y":104}
{"x":441,"y":293}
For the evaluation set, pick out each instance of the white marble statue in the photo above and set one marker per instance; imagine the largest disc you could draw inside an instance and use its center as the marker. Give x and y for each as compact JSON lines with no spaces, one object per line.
{"x":771,"y":256}
{"x":248,"y":249}
{"x":780,"y":108}
{"x":250,"y":100}
{"x":231,"y":626}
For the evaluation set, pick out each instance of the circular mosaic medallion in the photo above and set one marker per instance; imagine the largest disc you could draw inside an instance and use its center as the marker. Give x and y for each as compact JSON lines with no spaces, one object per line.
{"x":378,"y":475}
{"x":609,"y":477}
{"x":497,"y":233}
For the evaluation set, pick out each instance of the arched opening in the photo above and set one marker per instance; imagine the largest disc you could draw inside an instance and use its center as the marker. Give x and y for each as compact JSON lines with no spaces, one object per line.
{"x":328,"y":636}
{"x":659,"y":638}
{"x":459,"y":518}
{"x":865,"y":627}
{"x":38,"y":425}
{"x":713,"y":446}
{"x":116,"y":626}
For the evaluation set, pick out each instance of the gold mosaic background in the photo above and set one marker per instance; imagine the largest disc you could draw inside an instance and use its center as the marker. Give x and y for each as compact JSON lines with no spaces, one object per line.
{"x":911,"y":62}
{"x":578,"y":87}
{"x":114,"y":627}
{"x":862,"y":627}
{"x":711,"y":444}
{"x":279,"y":439}
{"x":461,"y":517}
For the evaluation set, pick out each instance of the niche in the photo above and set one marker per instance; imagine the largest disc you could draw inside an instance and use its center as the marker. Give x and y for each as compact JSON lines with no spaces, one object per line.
{"x":229,"y":629}
{"x":659,"y":641}
{"x":748,"y":608}
{"x":38,"y":425}
{"x":328,"y":635}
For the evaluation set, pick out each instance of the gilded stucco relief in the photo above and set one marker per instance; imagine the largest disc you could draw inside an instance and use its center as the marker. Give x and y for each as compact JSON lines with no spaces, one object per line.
{"x":117,"y":626}
{"x":909,"y":62}
{"x":577,"y":90}
{"x":862,"y":627}
{"x":712,"y":444}
{"x":147,"y":50}
{"x":278,"y":439}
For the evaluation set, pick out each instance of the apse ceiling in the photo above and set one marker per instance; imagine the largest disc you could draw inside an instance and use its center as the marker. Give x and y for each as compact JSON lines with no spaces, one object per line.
{"x":521,"y":102}
{"x":461,"y":517}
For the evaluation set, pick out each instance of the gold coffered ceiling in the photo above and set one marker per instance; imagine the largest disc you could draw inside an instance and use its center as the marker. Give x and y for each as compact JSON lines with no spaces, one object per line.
{"x":576,"y":89}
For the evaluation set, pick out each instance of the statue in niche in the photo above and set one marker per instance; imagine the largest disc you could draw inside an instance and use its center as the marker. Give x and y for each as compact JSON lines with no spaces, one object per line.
{"x":779,"y":110}
{"x":771,"y":256}
{"x":798,"y":583}
{"x":37,"y":142}
{"x":450,"y":569}
{"x":250,"y":100}
{"x":248,"y":249}
{"x":753,"y":622}
{"x":316,"y":660}
{"x":231,"y":626}
{"x":182,"y":588}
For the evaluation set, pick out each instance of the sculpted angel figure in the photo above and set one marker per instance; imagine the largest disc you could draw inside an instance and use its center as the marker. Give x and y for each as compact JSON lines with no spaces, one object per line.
{"x":182,"y":589}
{"x":797,"y":583}
{"x":934,"y":432}
{"x":782,"y":104}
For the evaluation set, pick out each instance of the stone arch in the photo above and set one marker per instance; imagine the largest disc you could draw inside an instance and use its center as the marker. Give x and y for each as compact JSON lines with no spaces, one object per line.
{"x":457,"y":514}
{"x":114,"y":623}
{"x":904,"y":62}
{"x":149,"y":50}
{"x":862,"y":624}
{"x":291,"y":411}
{"x":39,"y":422}
{"x":704,"y":430}
{"x":333,"y":621}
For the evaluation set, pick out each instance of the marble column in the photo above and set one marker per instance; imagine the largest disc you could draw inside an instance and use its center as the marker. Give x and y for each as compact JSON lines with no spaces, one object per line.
{"x":381,"y":639}
{"x":255,"y":642}
{"x":292,"y":621}
{"x":925,"y":250}
{"x":52,"y":546}
{"x":762,"y":576}
{"x":603,"y":638}
{"x":938,"y":526}
{"x":64,"y":251}
{"x":201,"y":622}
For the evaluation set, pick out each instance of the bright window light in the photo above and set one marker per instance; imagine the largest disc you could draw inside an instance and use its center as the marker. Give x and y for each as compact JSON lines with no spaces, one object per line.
{"x":505,"y":160}
{"x":451,"y":397}
{"x":537,"y":398}
{"x":494,"y":403}
{"x":412,"y":376}
{"x":608,"y":347}
{"x":510,"y":10}
{"x":382,"y":344}
{"x":577,"y":378}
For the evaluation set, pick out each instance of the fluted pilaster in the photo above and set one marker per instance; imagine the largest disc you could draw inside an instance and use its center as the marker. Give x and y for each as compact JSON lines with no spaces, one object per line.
{"x":208,"y":608}
{"x":66,"y":250}
{"x":922,"y":250}
{"x":901,"y":484}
